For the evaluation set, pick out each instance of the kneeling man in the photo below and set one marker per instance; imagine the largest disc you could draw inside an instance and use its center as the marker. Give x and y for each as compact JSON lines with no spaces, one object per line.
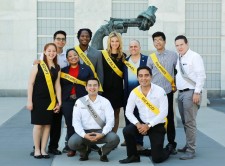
{"x":93,"y":120}
{"x":152,"y":104}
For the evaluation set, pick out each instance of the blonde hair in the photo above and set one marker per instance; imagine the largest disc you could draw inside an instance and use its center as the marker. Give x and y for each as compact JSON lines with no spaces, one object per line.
{"x":120,"y":48}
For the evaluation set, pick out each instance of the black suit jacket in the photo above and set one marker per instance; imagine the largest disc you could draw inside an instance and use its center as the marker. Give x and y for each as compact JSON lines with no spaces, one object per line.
{"x":84,"y":73}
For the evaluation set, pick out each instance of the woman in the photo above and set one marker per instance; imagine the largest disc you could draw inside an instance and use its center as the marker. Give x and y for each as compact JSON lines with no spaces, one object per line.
{"x":113,"y":76}
{"x":43,"y":86}
{"x":73,"y":79}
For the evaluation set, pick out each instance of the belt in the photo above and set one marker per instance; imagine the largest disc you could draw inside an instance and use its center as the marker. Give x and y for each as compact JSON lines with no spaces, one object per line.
{"x":73,"y":97}
{"x":184,"y":90}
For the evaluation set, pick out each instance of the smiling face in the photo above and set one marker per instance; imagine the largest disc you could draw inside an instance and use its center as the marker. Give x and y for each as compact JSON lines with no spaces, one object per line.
{"x":114,"y":43}
{"x":92,"y":87}
{"x":50,"y":52}
{"x":144,"y":78}
{"x":181,"y":46}
{"x":84,"y":38}
{"x":60,"y":41}
{"x":134,"y":48}
{"x":72,"y":57}
{"x":159,"y":43}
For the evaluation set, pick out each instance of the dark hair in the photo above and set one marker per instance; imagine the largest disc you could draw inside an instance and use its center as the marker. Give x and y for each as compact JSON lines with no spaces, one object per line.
{"x":92,"y":78}
{"x":84,"y":29}
{"x":45,"y":58}
{"x":146,"y":68}
{"x":59,"y":32}
{"x":181,"y":37}
{"x":70,"y":49}
{"x":158,"y":34}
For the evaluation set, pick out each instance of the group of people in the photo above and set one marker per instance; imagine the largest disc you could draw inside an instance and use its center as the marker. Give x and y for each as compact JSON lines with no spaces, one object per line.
{"x":89,"y":87}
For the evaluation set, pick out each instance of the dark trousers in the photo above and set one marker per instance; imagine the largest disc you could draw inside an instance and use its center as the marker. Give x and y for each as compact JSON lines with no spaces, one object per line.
{"x":55,"y":130}
{"x":156,"y":136}
{"x":139,"y":138}
{"x":171,"y":133}
{"x":67,"y":110}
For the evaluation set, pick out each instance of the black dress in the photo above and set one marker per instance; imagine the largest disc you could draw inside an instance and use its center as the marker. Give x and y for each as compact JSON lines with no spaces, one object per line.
{"x":113,"y":84}
{"x":41,"y":98}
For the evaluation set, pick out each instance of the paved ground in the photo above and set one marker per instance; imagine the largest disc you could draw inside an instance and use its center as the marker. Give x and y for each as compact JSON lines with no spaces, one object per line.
{"x":16,"y":139}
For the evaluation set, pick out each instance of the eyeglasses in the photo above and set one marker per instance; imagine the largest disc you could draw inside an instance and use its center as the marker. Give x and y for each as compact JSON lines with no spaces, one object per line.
{"x":61,"y":39}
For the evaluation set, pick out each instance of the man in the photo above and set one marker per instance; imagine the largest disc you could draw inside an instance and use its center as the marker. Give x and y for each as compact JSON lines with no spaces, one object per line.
{"x":93,"y":120}
{"x":135,"y":59}
{"x":84,"y":36}
{"x":55,"y":132}
{"x":59,"y":39}
{"x":190,"y":80}
{"x":162,"y":63}
{"x":152,"y":105}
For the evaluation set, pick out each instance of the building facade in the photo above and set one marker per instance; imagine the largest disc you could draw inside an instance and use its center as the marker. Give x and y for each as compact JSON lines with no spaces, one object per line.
{"x":27,"y":25}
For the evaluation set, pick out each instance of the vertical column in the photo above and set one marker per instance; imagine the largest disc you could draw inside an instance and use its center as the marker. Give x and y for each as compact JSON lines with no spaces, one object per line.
{"x":222,"y":49}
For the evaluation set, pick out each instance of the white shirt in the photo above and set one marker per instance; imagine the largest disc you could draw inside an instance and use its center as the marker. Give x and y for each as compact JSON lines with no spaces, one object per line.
{"x":157,"y":96}
{"x":193,"y":65}
{"x":82,"y":119}
{"x":61,"y":58}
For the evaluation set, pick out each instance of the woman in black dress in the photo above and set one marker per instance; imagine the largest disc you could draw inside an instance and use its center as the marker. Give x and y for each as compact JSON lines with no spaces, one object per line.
{"x":113,"y":78}
{"x":43,"y":88}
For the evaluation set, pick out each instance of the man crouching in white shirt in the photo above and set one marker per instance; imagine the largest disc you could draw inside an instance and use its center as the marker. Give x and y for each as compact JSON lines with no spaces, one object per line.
{"x":152,"y":104}
{"x":88,"y":113}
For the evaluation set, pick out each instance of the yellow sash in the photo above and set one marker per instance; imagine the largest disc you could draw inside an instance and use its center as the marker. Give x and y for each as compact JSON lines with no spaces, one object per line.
{"x":72,"y":79}
{"x":87,"y":61}
{"x":162,"y":70}
{"x":112,"y":64}
{"x":148,"y":104}
{"x":48,"y":79}
{"x":131,"y":67}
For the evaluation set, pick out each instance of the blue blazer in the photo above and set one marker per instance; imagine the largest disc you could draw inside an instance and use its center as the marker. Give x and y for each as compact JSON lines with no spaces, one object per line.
{"x":143,"y":62}
{"x":84,"y":73}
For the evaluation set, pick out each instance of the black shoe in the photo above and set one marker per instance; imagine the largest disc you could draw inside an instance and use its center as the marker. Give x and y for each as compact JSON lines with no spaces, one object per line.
{"x":46,"y":156}
{"x":131,"y":159}
{"x":32,"y":153}
{"x":84,"y":158}
{"x":171,"y":149}
{"x":54,"y":151}
{"x":123,"y":144}
{"x":38,"y":156}
{"x":146,"y":152}
{"x":104,"y":158}
{"x":94,"y":148}
{"x":66,"y":149}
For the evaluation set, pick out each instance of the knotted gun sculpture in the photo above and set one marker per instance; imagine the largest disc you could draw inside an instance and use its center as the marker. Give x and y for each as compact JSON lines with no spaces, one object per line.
{"x":144,"y":21}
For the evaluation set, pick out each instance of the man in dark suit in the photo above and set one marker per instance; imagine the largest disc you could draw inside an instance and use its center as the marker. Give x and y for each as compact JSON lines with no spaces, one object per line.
{"x":84,"y":36}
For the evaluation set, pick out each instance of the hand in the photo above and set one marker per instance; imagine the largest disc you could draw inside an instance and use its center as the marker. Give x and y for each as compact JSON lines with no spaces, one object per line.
{"x":142,"y":128}
{"x":36,"y":62}
{"x":99,"y":136}
{"x":91,"y":136}
{"x":57,"y":108}
{"x":196,"y":98}
{"x":174,"y":89}
{"x":30,"y":106}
